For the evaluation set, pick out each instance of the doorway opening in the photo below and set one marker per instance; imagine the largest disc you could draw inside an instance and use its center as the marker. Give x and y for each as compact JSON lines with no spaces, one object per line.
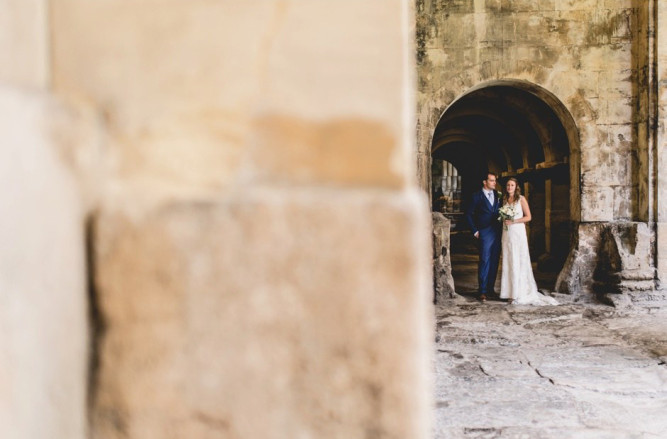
{"x":514,"y":129}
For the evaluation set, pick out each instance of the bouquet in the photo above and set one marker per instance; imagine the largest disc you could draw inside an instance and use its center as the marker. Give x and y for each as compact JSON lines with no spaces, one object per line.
{"x":506,"y":212}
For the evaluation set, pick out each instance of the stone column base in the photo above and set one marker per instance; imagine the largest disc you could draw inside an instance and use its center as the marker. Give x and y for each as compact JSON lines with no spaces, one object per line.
{"x":443,"y":282}
{"x":576,"y":277}
{"x":609,"y":259}
{"x":625,"y":261}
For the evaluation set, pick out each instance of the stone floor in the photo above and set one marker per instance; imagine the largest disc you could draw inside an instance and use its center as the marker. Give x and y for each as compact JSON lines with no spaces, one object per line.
{"x":567,"y":371}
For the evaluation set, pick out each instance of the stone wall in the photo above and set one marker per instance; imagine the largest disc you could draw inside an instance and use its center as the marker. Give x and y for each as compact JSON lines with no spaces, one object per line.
{"x":594,"y":57}
{"x":243,"y":175}
{"x":581,"y":51}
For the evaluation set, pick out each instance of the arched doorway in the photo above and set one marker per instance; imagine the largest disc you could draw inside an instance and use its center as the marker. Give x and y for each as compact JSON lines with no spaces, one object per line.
{"x":514,"y":129}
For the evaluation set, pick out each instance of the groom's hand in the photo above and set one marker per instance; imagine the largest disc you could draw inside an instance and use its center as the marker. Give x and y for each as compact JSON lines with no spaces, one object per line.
{"x":476,"y":235}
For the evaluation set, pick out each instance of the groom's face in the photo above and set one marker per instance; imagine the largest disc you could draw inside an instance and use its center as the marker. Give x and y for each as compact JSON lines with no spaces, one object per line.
{"x":490,"y":182}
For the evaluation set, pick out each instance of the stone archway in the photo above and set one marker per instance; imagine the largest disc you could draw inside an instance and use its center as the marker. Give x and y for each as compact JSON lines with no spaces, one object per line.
{"x":515,"y":129}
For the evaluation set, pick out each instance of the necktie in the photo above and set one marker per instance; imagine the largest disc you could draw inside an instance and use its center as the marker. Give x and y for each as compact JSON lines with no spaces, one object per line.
{"x":489,"y":195}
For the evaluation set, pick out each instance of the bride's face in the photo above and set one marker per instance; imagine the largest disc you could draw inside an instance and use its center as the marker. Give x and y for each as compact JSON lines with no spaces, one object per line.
{"x":510,"y":187}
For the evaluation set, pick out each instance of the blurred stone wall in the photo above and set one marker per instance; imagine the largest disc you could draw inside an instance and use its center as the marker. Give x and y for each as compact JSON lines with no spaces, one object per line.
{"x":258,"y":251}
{"x":43,"y":307}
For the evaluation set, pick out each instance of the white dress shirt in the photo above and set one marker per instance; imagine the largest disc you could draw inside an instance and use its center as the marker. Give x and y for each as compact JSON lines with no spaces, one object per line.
{"x":489,"y":195}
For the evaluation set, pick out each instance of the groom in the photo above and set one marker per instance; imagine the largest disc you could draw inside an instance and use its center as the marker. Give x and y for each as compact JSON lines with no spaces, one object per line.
{"x":482,"y":216}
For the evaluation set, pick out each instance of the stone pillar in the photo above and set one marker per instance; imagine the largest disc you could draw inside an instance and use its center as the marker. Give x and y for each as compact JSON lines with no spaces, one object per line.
{"x":262,"y":253}
{"x":625,"y":265}
{"x":661,"y":141}
{"x":43,"y":305}
{"x":625,"y":202}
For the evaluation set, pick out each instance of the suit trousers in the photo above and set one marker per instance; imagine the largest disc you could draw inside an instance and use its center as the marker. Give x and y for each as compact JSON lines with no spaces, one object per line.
{"x":489,"y":257}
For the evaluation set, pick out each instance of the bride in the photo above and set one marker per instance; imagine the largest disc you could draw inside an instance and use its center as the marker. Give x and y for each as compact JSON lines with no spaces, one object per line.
{"x":517,"y":282}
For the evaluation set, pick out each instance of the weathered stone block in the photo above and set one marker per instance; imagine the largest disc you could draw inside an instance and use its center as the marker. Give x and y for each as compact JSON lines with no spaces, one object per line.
{"x":459,"y":31}
{"x":451,"y":7}
{"x":597,"y":203}
{"x":576,"y":277}
{"x":570,"y":27}
{"x":611,"y":26}
{"x":616,"y":4}
{"x":611,"y":162}
{"x":588,"y":89}
{"x":568,"y":5}
{"x":529,"y":5}
{"x":606,"y":57}
{"x":493,"y":32}
{"x":279,"y":315}
{"x":617,"y":83}
{"x":625,"y":202}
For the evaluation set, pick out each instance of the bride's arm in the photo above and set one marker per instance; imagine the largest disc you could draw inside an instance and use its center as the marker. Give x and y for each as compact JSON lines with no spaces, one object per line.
{"x":526,"y":211}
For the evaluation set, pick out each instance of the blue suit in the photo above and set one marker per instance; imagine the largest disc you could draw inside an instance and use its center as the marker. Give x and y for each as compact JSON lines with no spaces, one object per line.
{"x":482,"y":216}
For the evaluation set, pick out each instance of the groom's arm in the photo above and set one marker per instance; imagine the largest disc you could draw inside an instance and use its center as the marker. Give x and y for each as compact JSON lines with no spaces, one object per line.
{"x":470,"y":213}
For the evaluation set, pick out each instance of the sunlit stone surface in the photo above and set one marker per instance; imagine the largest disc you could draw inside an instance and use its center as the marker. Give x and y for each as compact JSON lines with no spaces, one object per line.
{"x":550,"y":372}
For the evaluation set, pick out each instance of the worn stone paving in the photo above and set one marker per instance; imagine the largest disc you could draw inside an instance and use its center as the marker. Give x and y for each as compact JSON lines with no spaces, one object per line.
{"x":567,"y":371}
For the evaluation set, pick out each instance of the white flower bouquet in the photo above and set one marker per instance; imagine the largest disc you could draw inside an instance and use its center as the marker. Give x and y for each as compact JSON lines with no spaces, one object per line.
{"x":506,"y":212}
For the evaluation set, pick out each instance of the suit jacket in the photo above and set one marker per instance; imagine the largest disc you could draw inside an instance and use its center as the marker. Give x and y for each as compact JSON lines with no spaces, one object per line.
{"x":480,"y":213}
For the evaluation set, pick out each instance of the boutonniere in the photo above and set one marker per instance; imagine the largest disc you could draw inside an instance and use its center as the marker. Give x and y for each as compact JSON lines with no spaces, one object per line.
{"x":499,"y":194}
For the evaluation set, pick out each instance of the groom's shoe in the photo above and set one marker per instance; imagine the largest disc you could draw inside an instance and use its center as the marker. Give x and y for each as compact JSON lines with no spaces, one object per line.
{"x":482,"y":298}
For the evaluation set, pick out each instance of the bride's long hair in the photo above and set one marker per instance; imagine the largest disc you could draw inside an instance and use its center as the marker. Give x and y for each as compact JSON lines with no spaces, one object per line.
{"x":517,"y":192}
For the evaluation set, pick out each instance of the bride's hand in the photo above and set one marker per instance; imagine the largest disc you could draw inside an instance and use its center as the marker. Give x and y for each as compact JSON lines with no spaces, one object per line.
{"x":509,"y":222}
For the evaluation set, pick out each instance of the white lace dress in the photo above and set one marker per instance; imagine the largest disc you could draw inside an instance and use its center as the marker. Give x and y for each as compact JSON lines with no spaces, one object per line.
{"x":517,"y":281}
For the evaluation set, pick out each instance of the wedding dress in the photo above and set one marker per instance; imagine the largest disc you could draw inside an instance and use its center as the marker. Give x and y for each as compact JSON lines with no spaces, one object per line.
{"x":517,"y":281}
